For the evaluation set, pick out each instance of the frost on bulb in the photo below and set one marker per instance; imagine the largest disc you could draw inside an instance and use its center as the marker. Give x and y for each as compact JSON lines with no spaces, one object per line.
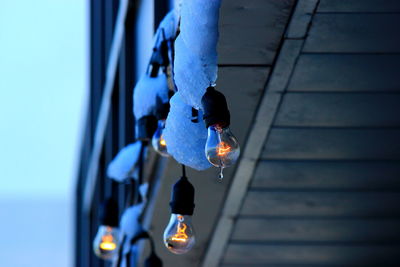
{"x":179,"y":234}
{"x":158,"y":141}
{"x":222,"y":148}
{"x":106,"y":242}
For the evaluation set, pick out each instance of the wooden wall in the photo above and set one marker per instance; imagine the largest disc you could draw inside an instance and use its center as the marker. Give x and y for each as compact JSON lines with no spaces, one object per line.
{"x":326,"y":189}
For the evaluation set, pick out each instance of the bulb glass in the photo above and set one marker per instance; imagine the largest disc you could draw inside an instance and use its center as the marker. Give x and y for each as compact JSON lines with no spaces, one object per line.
{"x":158,"y":141}
{"x":222,"y":148}
{"x":179,"y":235}
{"x":105,"y":244}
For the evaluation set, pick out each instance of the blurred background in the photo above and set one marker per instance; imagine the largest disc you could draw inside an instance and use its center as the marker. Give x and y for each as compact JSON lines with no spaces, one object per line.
{"x":43,"y":81}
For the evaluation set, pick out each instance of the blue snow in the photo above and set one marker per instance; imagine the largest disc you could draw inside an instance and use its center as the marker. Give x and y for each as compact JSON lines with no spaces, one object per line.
{"x":185,"y":140}
{"x":123,"y":166}
{"x":150,"y":91}
{"x":130,"y":225}
{"x":195,"y":65}
{"x":146,"y":93}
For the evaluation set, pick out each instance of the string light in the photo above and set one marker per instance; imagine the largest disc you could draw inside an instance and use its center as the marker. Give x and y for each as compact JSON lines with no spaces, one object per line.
{"x":222,"y":148}
{"x":106,"y":242}
{"x":179,"y":235}
{"x":158,"y":141}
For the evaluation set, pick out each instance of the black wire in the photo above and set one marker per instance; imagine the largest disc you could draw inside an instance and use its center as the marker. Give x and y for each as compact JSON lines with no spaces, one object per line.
{"x":121,"y":248}
{"x":140,"y":170}
{"x":128,"y":196}
{"x":153,"y":248}
{"x":141,"y":163}
{"x":128,"y":258}
{"x":142,"y":235}
{"x":133,"y":194}
{"x":155,"y":48}
{"x":183,"y":171}
{"x":133,"y":186}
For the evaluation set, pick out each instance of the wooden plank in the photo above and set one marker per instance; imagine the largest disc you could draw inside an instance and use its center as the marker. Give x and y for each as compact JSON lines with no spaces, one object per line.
{"x":283,"y":203}
{"x":346,"y":73}
{"x":280,"y":265}
{"x":338,"y":255}
{"x":284,"y":65}
{"x":301,"y":19}
{"x":251,"y":31}
{"x":340,"y":175}
{"x":316,"y":230}
{"x":241,"y":179}
{"x":337,"y":144}
{"x":347,"y":33}
{"x":359,"y":6}
{"x":339,"y":110}
{"x":249,"y":83}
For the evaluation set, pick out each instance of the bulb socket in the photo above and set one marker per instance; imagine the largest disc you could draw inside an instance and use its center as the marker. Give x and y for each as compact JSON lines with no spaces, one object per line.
{"x":182,"y":199}
{"x":154,"y":69}
{"x":162,"y":109}
{"x":155,"y":62}
{"x":145,"y":127}
{"x":164,"y":49}
{"x":159,"y":57}
{"x":215,"y":108}
{"x":109,"y":213}
{"x":195,"y":115}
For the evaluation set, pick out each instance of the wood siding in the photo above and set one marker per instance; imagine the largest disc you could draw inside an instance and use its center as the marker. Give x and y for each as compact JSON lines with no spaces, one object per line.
{"x":326,"y":189}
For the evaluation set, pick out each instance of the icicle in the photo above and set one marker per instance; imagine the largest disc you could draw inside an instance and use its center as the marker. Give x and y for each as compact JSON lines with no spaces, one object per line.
{"x":221,"y":175}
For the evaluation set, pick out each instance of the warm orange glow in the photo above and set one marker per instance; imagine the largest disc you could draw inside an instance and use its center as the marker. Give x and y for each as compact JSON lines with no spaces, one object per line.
{"x":180,"y":236}
{"x":223,"y":149}
{"x":162,"y":141}
{"x":107,"y":243}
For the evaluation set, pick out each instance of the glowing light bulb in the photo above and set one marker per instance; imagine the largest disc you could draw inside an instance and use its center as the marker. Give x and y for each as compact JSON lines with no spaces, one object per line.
{"x":158,"y":142}
{"x":222,"y":148}
{"x":106,"y":242}
{"x":179,"y":234}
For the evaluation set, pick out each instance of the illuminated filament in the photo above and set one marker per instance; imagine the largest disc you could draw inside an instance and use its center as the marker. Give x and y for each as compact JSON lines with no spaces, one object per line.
{"x":107,"y":243}
{"x":223,"y":149}
{"x":162,"y":141}
{"x":180,"y":236}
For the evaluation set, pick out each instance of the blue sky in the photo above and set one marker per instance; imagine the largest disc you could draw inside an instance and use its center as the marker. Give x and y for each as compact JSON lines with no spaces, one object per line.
{"x":42,"y":94}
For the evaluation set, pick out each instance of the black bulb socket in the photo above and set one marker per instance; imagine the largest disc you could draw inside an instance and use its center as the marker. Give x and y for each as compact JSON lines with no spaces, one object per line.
{"x":154,"y":69}
{"x":145,"y":128}
{"x":155,"y":62}
{"x":162,"y":109}
{"x":109,"y":213}
{"x":182,"y":199}
{"x":164,"y":49}
{"x":215,"y":108}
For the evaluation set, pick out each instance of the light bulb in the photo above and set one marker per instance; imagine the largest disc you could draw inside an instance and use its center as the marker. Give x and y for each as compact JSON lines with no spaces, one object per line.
{"x":158,"y":141}
{"x":179,"y":234}
{"x":222,"y":148}
{"x":106,"y":242}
